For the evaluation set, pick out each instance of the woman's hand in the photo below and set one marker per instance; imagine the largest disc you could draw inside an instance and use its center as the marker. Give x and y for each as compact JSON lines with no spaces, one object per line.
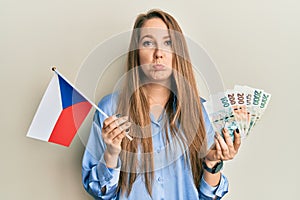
{"x":225,"y":148}
{"x":113,"y":131}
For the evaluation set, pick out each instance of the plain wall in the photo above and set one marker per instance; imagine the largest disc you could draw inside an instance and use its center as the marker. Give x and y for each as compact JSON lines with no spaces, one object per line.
{"x":255,"y":43}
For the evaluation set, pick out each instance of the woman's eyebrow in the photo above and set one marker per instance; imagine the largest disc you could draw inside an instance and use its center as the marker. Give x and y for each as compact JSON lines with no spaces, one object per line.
{"x":150,"y":36}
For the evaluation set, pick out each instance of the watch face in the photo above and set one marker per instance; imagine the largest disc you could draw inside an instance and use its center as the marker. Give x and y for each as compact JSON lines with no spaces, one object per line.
{"x":218,"y":167}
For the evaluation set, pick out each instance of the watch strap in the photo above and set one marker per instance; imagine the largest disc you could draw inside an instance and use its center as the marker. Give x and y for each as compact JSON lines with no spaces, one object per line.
{"x":215,"y":169}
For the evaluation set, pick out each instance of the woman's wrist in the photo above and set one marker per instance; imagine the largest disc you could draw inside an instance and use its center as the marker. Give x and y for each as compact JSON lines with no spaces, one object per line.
{"x":210,"y":163}
{"x":111,"y":160}
{"x":211,"y":173}
{"x":212,"y":167}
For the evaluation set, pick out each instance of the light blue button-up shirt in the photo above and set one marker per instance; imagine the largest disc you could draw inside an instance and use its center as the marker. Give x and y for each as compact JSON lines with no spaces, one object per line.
{"x":173,"y":179}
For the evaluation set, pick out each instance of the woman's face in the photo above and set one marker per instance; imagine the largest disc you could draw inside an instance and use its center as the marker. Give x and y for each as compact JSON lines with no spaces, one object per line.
{"x":155,"y":51}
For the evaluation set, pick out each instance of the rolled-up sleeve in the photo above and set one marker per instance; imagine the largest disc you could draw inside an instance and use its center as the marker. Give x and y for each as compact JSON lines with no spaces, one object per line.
{"x":208,"y":192}
{"x":98,"y":176}
{"x":108,"y":177}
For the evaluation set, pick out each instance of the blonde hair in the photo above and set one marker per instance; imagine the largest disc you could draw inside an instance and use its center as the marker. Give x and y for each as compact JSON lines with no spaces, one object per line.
{"x":187,"y":111}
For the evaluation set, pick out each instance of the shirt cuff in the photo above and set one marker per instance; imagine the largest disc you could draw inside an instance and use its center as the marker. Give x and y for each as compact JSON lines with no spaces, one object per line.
{"x":108,"y":177}
{"x":219,"y":190}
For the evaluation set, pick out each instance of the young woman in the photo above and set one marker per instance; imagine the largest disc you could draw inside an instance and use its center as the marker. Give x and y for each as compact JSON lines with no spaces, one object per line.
{"x":170,"y":156}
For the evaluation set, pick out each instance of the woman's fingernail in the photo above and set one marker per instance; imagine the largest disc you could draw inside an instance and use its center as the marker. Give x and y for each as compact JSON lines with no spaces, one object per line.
{"x":237,"y":130}
{"x":216,"y":135}
{"x":118,"y":115}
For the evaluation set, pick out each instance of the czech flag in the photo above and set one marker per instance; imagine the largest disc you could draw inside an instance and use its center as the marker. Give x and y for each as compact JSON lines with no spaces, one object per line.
{"x":60,"y":113}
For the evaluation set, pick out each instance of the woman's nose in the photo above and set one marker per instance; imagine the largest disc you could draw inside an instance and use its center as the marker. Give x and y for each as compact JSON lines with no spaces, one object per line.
{"x":158,"y":53}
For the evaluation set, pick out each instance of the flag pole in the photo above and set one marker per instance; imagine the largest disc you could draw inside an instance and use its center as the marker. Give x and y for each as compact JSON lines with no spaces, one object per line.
{"x":92,"y":103}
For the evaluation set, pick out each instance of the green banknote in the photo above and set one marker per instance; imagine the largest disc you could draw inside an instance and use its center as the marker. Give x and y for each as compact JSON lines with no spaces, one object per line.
{"x":221,"y":114}
{"x":264,"y":101}
{"x":256,"y":97}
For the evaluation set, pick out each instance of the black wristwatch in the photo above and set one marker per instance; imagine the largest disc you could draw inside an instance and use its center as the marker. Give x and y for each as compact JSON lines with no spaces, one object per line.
{"x":215,"y":168}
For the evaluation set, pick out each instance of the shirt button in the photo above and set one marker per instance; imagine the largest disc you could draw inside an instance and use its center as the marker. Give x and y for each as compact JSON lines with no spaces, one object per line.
{"x":158,"y":150}
{"x":107,"y":179}
{"x":159,"y":179}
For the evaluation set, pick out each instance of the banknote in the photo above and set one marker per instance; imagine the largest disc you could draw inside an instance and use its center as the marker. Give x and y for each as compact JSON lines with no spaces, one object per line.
{"x":237,"y":102}
{"x":265,"y":99}
{"x":241,"y":108}
{"x":255,"y":104}
{"x":221,"y":114}
{"x":244,"y":94}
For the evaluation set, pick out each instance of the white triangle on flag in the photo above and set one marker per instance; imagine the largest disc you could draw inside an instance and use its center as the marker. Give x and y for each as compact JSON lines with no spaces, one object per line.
{"x":48,"y":112}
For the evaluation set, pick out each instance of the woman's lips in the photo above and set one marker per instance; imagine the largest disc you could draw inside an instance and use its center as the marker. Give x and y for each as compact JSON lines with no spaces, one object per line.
{"x":158,"y":67}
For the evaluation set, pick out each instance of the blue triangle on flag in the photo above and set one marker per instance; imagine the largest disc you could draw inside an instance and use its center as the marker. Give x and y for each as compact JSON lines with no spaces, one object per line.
{"x":69,"y":95}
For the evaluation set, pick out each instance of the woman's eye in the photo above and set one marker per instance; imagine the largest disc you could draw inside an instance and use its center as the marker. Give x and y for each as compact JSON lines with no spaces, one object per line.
{"x":168,"y":43}
{"x":148,"y":44}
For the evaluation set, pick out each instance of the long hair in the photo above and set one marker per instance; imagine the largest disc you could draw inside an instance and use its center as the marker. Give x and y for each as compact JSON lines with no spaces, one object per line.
{"x":183,"y":109}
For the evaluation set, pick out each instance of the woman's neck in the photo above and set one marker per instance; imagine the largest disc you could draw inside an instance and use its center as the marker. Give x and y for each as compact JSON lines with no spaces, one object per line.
{"x":158,"y":96}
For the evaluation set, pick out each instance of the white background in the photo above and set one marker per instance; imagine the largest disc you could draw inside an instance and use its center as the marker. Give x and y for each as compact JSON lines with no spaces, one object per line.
{"x":255,"y":43}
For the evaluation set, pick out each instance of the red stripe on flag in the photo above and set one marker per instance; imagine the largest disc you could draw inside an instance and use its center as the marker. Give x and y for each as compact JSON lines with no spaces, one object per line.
{"x":68,"y":123}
